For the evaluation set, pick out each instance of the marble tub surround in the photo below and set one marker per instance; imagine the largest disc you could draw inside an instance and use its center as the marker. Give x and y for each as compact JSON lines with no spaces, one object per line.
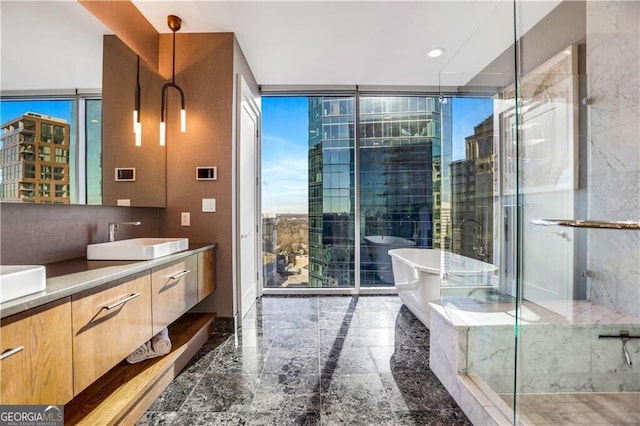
{"x":467,"y":311}
{"x":314,"y":360}
{"x":559,"y":354}
{"x":448,"y":359}
{"x":472,"y":338}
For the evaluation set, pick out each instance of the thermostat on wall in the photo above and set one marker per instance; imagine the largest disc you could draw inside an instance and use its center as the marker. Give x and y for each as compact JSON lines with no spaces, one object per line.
{"x":206,"y":173}
{"x":127,"y":174}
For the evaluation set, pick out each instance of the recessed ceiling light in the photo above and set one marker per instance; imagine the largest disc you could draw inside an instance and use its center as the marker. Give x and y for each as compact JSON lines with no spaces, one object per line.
{"x":434,"y":53}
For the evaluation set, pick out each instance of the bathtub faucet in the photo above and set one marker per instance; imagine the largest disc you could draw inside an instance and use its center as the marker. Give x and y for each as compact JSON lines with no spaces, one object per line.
{"x":480,"y":251}
{"x":414,"y":233}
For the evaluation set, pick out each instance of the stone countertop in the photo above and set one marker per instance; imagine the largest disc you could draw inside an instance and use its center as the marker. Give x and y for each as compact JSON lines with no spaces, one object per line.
{"x":73,"y":276}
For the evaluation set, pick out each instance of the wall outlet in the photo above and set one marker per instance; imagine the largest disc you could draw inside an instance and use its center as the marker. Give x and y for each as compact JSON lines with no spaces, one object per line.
{"x":185,"y":219}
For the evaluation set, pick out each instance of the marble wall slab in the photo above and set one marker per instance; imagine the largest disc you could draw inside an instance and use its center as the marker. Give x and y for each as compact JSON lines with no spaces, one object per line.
{"x":613,"y":75}
{"x":554,"y":358}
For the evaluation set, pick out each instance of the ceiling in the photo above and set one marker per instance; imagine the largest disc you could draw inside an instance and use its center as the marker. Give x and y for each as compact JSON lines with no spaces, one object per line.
{"x":310,"y":43}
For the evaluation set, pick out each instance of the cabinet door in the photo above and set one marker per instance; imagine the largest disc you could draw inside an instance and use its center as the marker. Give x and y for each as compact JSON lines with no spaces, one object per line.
{"x":36,"y":356}
{"x":108,"y":325}
{"x":206,"y":273}
{"x":175,"y":291}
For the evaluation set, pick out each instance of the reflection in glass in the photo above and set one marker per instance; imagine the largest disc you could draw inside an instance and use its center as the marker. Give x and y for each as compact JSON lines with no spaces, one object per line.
{"x":398,"y":149}
{"x":39,"y":133}
{"x":93,"y":141}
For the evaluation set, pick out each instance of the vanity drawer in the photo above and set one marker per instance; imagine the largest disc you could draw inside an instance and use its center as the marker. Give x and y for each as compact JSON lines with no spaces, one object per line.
{"x":174,"y":291}
{"x":108,"y":325}
{"x":35,"y":365}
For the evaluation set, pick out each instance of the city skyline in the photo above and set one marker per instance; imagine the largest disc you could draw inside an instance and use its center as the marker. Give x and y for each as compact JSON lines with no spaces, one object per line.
{"x":285,"y":147}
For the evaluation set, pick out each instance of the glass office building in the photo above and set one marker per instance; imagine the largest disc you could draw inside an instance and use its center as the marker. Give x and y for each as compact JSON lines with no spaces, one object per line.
{"x":399,"y":149}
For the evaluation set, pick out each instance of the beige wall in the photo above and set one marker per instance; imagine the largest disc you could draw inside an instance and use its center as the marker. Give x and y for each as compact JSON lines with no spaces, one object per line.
{"x":206,"y":65}
{"x":204,"y":70}
{"x":118,"y":143}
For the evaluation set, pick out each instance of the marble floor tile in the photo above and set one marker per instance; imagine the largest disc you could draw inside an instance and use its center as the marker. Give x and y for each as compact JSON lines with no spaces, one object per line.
{"x":381,"y":319}
{"x":292,"y":362}
{"x":282,"y":392}
{"x":172,"y":398}
{"x":337,"y":304}
{"x":312,"y":360}
{"x":358,"y":418}
{"x":222,"y":392}
{"x":346,"y":360}
{"x":439,"y":417}
{"x":336,"y":324}
{"x":297,"y":338}
{"x":158,"y":418}
{"x":354,"y":393}
{"x":229,"y":419}
{"x":297,"y":321}
{"x":239,"y":360}
{"x":391,"y":359}
{"x":416,"y":392}
{"x":361,"y":338}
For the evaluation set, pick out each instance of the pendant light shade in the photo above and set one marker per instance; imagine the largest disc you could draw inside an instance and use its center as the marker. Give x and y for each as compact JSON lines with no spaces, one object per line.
{"x":174,"y":24}
{"x":137,"y":125}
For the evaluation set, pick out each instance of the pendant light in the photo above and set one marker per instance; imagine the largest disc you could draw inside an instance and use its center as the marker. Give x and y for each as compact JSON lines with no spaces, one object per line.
{"x":137,"y":125}
{"x":174,"y":24}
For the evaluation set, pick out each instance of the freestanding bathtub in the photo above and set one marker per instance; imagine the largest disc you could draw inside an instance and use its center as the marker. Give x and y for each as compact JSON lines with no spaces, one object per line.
{"x":378,"y":247}
{"x":417,"y":275}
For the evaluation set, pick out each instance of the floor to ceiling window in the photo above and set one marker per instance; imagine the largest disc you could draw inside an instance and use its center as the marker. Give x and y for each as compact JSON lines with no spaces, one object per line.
{"x":347,"y":178}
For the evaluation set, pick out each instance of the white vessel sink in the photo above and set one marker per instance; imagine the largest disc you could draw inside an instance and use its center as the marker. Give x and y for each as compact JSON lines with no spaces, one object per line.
{"x":21,"y":280}
{"x":136,"y":249}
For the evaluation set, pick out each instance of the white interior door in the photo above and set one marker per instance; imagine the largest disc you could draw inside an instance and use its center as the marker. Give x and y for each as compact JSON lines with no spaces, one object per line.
{"x":248,"y":229}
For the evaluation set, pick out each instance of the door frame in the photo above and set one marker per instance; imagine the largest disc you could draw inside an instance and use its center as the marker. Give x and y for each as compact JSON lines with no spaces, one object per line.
{"x":244,"y":97}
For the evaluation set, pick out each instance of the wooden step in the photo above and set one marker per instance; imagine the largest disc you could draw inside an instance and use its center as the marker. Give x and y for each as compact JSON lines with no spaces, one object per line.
{"x":124,"y":393}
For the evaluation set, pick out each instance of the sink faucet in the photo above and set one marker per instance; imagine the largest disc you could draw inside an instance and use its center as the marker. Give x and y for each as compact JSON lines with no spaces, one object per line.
{"x":480,"y":251}
{"x":115,"y":226}
{"x":414,"y":233}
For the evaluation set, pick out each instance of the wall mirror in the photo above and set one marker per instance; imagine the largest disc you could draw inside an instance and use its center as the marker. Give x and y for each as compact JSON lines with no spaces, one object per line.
{"x":56,"y":146}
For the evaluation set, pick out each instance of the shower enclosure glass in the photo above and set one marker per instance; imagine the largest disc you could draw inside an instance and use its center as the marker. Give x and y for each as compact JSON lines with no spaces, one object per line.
{"x":551,"y":336}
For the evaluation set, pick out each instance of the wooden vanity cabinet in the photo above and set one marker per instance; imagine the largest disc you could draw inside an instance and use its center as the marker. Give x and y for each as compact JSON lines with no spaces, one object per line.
{"x":174,"y":291}
{"x":36,"y":351}
{"x":109,"y":324}
{"x":206,"y":273}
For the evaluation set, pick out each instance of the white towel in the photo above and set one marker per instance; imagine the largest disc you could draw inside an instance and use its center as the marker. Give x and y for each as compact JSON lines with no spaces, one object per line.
{"x":160,"y":344}
{"x":140,"y":354}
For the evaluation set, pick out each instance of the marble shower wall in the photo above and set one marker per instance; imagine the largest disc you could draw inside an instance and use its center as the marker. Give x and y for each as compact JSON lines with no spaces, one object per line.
{"x":613,"y":75}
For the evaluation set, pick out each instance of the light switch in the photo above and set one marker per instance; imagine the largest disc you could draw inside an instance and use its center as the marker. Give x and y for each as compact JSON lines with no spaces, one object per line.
{"x":208,"y":205}
{"x":185,"y":219}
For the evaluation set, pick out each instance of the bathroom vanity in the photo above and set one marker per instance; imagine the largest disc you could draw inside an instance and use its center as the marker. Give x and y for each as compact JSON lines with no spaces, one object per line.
{"x":67,"y":344}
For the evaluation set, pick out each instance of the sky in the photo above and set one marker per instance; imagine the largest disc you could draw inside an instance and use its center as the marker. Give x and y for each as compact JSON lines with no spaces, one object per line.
{"x":56,"y":108}
{"x":285,"y":147}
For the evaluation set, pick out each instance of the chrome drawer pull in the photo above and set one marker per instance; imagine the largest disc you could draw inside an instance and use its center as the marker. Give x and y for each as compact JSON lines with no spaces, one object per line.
{"x":180,"y":274}
{"x":122,"y":302}
{"x":9,"y":352}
